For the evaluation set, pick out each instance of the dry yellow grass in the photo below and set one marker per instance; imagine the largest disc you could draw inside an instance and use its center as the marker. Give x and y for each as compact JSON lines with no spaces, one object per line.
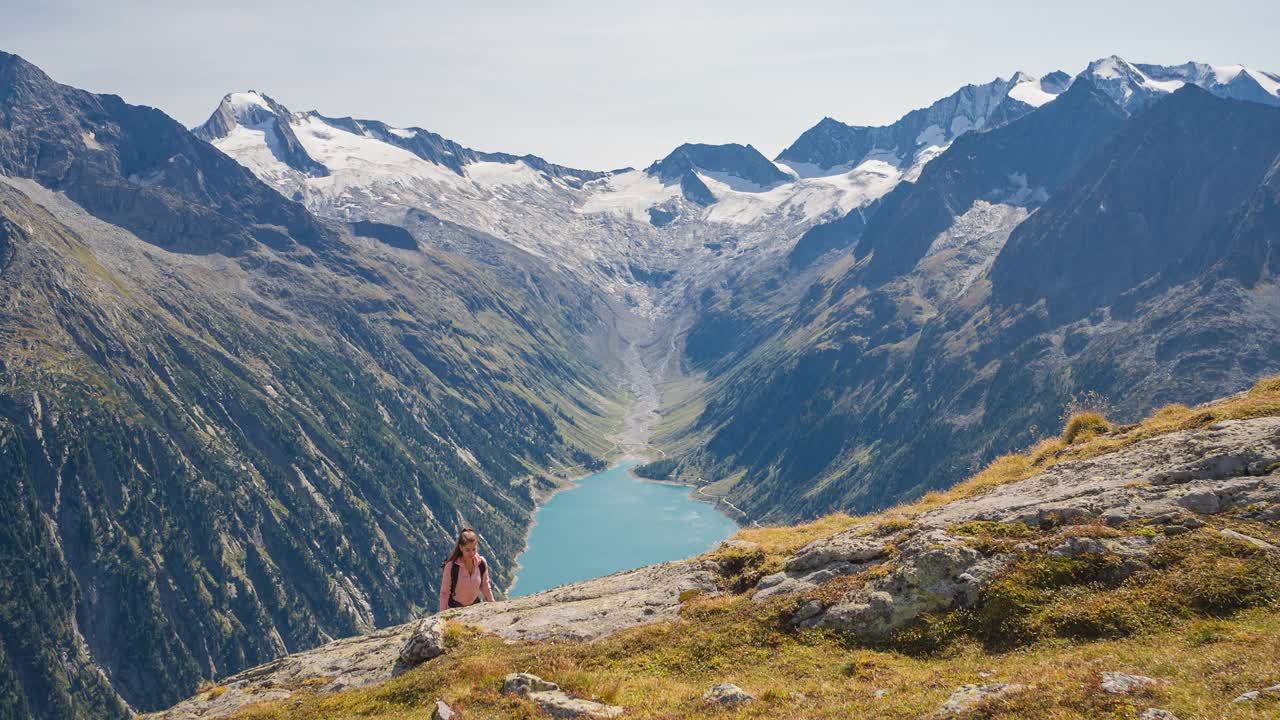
{"x":1262,"y":400}
{"x":661,"y":671}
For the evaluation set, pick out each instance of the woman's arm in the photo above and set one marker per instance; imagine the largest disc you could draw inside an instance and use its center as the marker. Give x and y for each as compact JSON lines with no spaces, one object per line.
{"x":484,"y":586}
{"x":444,"y":589}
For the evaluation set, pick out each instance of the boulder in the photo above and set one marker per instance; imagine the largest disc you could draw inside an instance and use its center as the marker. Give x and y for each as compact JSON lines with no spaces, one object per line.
{"x":425,"y":641}
{"x":968,"y":697}
{"x":1077,"y":546}
{"x":1157,"y":714}
{"x":727,"y":694}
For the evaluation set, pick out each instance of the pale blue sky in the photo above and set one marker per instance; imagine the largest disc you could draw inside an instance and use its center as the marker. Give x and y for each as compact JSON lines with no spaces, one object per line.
{"x":598,"y":84}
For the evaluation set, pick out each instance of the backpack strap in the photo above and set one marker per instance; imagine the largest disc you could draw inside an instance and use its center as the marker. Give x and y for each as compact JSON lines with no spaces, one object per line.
{"x":483,"y":567}
{"x":453,"y":578}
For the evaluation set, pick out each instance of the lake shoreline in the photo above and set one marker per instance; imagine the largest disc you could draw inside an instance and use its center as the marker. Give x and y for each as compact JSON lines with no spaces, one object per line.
{"x":624,"y":521}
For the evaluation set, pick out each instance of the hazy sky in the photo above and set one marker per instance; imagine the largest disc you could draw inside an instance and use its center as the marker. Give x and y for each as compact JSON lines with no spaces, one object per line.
{"x":597,"y":84}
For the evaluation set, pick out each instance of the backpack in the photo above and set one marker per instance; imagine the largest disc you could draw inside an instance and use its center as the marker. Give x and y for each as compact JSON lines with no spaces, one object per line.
{"x":453,"y":577}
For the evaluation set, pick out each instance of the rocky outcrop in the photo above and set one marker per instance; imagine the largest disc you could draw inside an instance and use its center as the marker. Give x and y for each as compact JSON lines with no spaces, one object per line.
{"x":593,"y":609}
{"x":888,"y":572}
{"x":1226,"y":466}
{"x":923,"y":567}
{"x":581,"y":611}
{"x":932,"y":571}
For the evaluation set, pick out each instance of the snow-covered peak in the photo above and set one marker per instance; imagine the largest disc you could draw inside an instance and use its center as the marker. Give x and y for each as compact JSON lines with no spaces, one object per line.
{"x":1133,"y":85}
{"x":242,"y":103}
{"x":1028,"y":89}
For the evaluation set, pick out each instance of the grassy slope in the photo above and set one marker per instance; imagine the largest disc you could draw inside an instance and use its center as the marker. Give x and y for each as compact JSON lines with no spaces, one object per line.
{"x":1206,"y":619}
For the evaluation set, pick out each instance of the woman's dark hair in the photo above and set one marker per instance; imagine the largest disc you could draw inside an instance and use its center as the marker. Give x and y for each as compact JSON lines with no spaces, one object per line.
{"x":463,"y":539}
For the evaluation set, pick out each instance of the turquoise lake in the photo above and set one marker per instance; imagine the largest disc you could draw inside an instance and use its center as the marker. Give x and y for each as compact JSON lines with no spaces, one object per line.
{"x":614,"y":521}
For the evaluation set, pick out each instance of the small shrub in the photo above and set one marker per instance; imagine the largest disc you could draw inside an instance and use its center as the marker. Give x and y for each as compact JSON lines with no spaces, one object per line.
{"x":1083,"y":426}
{"x":741,"y":568}
{"x":687,"y":595}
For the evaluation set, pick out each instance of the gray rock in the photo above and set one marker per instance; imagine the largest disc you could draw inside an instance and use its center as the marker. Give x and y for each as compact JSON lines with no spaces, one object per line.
{"x":1261,"y":544}
{"x":932,"y":571}
{"x":1144,"y":480}
{"x":561,"y":705}
{"x":727,"y":694}
{"x":442,"y":711}
{"x":1118,"y":683}
{"x":1055,"y":515}
{"x":1157,"y":714}
{"x":1205,"y":502}
{"x":967,"y":697}
{"x":1273,"y":691}
{"x":524,"y":683}
{"x":552,"y":700}
{"x":842,"y":548}
{"x":425,"y":641}
{"x":806,"y":611}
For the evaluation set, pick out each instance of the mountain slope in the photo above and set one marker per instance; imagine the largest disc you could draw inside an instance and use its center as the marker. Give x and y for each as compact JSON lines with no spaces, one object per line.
{"x":882,"y":386}
{"x":229,"y":430}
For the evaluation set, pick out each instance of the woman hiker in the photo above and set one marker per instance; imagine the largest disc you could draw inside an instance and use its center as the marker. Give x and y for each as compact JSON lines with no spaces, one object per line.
{"x":466,"y":574}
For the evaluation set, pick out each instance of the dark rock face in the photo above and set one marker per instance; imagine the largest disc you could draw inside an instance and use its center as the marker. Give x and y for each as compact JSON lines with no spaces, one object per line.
{"x":1143,"y":276}
{"x":1115,"y":234}
{"x":135,"y":167}
{"x":821,"y":239}
{"x":832,"y":143}
{"x":1020,"y":163}
{"x":739,"y":161}
{"x":392,"y":235}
